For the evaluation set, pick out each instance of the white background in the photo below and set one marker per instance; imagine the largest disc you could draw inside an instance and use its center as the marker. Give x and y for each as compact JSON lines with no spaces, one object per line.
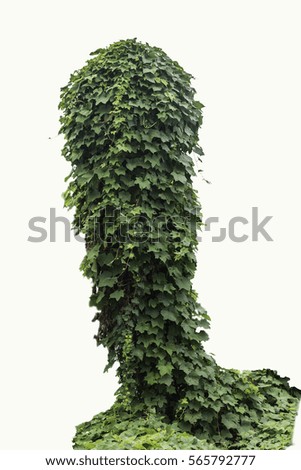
{"x":245,"y":56}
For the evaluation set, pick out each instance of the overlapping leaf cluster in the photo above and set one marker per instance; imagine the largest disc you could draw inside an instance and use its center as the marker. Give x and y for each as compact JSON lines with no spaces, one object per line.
{"x":263,"y":418}
{"x":131,"y":124}
{"x":117,"y":429}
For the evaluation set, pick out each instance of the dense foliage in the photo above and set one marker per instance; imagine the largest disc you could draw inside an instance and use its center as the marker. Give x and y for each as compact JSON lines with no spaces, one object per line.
{"x":263,"y":418}
{"x":131,"y":124}
{"x":118,"y":429}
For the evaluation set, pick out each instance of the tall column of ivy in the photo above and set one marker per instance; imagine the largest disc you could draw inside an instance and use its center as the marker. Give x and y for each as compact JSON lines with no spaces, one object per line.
{"x":131,"y":121}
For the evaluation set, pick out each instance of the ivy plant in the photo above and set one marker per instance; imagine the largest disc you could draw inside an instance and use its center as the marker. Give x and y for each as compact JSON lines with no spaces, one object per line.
{"x":131,"y":121}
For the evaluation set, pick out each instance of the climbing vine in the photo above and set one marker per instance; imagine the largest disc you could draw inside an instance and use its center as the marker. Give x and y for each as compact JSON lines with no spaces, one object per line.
{"x":131,"y":121}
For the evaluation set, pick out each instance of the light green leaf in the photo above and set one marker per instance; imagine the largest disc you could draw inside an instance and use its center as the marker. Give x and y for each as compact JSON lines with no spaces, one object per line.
{"x":165,"y":368}
{"x":143,"y":184}
{"x":179,"y":177}
{"x":93,"y":252}
{"x":117,"y":294}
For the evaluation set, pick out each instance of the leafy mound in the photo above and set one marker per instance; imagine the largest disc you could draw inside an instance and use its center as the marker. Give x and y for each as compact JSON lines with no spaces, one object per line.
{"x":263,"y":419}
{"x":115,"y":429}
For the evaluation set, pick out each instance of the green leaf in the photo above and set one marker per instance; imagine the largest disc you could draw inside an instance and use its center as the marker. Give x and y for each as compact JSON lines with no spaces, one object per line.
{"x":103,"y":98}
{"x":192,"y":380}
{"x":85,"y":178}
{"x":102,"y":173}
{"x":169,"y":315}
{"x":100,"y":296}
{"x":230,"y":420}
{"x":198,"y":150}
{"x":132,"y":164}
{"x":150,"y":147}
{"x":138,"y":352}
{"x":166,"y":380}
{"x":143,"y":184}
{"x":179,"y":177}
{"x":107,"y":280}
{"x":183,"y":283}
{"x":117,"y":294}
{"x":165,"y":368}
{"x":93,"y":252}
